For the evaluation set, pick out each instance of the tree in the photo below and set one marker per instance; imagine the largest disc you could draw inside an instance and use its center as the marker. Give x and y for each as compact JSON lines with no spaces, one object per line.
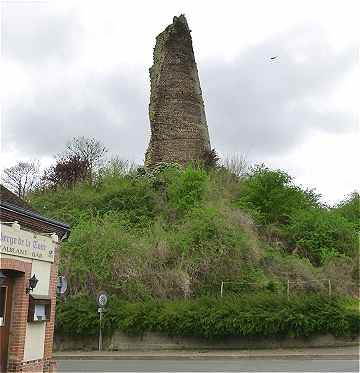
{"x":237,"y":165}
{"x":88,"y":150}
{"x":22,"y":177}
{"x":116,"y":167}
{"x":210,"y":159}
{"x":67,"y":171}
{"x":349,"y":208}
{"x":272,"y":196}
{"x":321,"y":233}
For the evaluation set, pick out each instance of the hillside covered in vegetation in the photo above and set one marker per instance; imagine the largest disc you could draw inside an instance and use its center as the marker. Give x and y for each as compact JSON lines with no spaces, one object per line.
{"x":167,"y":243}
{"x":178,"y":232}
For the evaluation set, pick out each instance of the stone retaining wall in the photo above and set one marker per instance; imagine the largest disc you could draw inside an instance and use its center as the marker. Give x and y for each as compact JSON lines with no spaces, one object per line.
{"x":153,"y":341}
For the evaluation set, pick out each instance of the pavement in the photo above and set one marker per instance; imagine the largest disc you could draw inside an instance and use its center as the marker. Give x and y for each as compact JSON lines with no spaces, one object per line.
{"x":220,"y":365}
{"x":334,"y":353}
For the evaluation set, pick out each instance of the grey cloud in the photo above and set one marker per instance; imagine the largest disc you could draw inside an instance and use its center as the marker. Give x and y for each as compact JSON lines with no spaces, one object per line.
{"x":36,"y":32}
{"x":111,"y":108}
{"x":259,"y":106}
{"x":253,"y":105}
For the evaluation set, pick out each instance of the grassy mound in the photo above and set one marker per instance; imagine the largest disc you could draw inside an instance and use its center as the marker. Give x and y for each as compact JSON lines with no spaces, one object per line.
{"x":173,"y":233}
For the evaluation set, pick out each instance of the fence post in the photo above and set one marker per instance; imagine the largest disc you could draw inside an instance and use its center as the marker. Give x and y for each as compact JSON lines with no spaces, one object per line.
{"x":222,"y":289}
{"x":329,"y":281}
{"x":288,"y":289}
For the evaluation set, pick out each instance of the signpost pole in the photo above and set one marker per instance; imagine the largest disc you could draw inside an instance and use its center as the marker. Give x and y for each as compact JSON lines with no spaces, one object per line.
{"x":288,"y":289}
{"x":101,"y":300}
{"x":100,"y":331}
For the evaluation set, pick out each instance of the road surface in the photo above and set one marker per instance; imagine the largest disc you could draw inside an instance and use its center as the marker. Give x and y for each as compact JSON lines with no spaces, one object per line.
{"x":230,"y":365}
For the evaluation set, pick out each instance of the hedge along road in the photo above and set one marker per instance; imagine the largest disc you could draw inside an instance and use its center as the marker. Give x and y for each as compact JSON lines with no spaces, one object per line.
{"x":229,"y":365}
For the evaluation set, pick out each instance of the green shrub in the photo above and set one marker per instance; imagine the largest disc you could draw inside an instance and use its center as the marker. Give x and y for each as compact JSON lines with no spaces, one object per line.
{"x":262,"y":315}
{"x":119,"y":193}
{"x":77,"y":316}
{"x":69,"y":205}
{"x":349,"y":208}
{"x":271,"y":196}
{"x":135,"y":198}
{"x":186,"y":189}
{"x":100,"y":252}
{"x":321,"y":234}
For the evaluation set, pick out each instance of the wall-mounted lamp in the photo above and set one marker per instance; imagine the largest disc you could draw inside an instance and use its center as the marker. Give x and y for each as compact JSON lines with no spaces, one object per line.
{"x":59,"y":284}
{"x":2,"y":278}
{"x":32,"y":284}
{"x":16,"y":225}
{"x":54,"y":237}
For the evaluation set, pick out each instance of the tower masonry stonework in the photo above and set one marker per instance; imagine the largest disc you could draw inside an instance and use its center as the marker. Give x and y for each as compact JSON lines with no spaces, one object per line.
{"x":179,"y":132}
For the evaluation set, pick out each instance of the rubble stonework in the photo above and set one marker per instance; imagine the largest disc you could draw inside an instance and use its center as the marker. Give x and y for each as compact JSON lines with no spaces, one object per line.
{"x":179,"y":132}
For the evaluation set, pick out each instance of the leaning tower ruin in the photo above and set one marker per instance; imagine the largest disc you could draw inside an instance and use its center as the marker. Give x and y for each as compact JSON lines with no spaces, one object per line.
{"x":179,"y":132}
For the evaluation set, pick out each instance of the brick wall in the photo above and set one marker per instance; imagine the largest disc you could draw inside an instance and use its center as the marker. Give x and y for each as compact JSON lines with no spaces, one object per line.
{"x":40,"y":365}
{"x":19,"y":309}
{"x":49,"y":330}
{"x":21,"y":273}
{"x":19,"y":318}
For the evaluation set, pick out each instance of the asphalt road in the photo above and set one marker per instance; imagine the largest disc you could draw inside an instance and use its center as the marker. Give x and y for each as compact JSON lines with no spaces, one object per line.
{"x":231,"y":365}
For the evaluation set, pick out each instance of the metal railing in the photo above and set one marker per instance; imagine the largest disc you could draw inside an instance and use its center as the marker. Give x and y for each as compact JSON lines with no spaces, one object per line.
{"x":288,"y":284}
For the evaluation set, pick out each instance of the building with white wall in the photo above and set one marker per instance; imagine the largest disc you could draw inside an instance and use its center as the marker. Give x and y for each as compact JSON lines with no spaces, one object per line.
{"x":29,"y":254}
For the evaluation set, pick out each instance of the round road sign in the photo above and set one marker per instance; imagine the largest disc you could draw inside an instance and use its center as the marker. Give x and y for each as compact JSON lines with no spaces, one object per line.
{"x":102,"y":299}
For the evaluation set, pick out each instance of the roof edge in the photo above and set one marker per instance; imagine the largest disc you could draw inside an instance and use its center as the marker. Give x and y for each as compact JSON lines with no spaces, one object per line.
{"x":34,"y":215}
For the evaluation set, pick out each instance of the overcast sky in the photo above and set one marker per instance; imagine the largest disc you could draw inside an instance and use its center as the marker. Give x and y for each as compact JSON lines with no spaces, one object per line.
{"x":80,"y":68}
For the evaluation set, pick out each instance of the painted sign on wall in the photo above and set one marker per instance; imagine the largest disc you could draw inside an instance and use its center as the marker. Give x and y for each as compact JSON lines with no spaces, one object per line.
{"x":26,"y":244}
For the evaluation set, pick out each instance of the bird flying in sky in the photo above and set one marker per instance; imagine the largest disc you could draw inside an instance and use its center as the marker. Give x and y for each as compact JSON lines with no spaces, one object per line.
{"x":273,"y":58}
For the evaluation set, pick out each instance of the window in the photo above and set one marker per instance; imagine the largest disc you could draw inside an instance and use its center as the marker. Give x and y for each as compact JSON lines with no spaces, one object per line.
{"x":39,"y":312}
{"x":39,"y":308}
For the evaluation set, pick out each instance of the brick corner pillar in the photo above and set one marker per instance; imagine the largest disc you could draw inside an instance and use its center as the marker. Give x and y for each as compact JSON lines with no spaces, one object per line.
{"x":49,"y":362}
{"x":19,"y":311}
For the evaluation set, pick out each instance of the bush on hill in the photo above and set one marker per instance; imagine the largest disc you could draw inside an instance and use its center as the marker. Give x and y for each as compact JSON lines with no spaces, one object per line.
{"x":295,"y":218}
{"x":349,"y":208}
{"x":262,"y":315}
{"x":321,"y":234}
{"x":272,"y":197}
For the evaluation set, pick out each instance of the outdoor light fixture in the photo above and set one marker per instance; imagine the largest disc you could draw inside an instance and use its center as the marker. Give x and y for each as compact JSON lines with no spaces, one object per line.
{"x":2,"y":278}
{"x":54,"y":237}
{"x":16,"y":225}
{"x":32,"y":284}
{"x":59,"y":284}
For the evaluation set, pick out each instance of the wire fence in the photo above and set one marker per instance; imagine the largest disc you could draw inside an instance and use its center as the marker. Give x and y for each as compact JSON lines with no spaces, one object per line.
{"x":290,"y":285}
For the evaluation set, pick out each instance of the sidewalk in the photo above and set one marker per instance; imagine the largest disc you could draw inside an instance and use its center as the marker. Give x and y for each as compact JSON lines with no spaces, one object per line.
{"x":344,"y":353}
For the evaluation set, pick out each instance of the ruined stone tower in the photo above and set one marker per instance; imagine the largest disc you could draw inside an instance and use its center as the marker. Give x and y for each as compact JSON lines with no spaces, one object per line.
{"x":179,"y":132}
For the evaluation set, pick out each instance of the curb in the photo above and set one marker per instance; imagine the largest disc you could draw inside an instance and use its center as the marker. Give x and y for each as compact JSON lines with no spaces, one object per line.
{"x":209,"y":357}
